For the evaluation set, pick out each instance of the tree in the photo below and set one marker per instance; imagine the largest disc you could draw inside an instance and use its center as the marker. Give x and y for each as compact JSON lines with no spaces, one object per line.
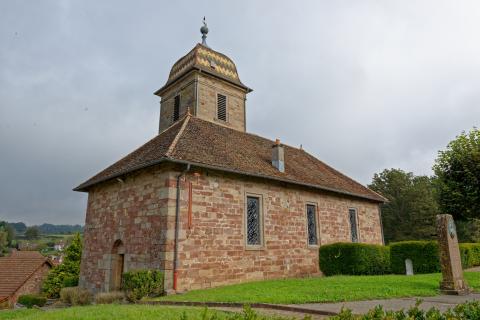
{"x":10,"y":232}
{"x":410,"y":211}
{"x":32,"y":233}
{"x":3,"y":241}
{"x":67,"y":273}
{"x":458,"y":176}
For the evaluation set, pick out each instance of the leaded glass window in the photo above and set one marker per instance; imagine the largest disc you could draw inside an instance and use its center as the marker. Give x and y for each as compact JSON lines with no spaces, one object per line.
{"x":353,"y":224}
{"x":254,"y":237}
{"x":311,"y":225}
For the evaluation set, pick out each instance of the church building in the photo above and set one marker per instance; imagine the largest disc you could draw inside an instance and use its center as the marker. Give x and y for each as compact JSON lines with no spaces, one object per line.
{"x":211,"y":204}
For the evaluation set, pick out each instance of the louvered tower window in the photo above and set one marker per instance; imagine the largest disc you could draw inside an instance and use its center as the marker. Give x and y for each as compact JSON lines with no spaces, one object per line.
{"x":353,"y":224}
{"x":221,"y":107}
{"x":176,"y":108}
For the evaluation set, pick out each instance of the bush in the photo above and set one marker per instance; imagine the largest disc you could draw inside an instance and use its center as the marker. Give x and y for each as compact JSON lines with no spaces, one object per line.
{"x":75,"y":296}
{"x":466,"y":311}
{"x":354,"y":259}
{"x":30,"y":300}
{"x":424,"y":256}
{"x":109,"y":297}
{"x":141,"y":283}
{"x":470,"y":254}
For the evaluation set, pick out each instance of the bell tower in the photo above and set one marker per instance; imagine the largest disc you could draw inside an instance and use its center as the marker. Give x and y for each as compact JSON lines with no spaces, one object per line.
{"x":206,"y":83}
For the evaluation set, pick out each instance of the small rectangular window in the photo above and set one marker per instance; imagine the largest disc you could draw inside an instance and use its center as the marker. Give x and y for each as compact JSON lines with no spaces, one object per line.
{"x":221,"y":107}
{"x":312,"y":225}
{"x":176,"y":108}
{"x":353,"y":224}
{"x":254,"y":234}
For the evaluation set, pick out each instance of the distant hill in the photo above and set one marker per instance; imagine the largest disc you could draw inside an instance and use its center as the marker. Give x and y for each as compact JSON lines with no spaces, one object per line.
{"x":19,"y":227}
{"x":48,"y":228}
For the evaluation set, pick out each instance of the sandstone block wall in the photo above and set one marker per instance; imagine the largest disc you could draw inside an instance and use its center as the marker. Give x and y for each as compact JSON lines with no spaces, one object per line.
{"x":212,"y":248}
{"x":208,"y":88}
{"x":134,"y":212}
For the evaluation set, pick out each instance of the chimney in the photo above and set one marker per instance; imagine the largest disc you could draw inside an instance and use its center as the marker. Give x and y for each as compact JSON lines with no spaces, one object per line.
{"x":278,"y":159}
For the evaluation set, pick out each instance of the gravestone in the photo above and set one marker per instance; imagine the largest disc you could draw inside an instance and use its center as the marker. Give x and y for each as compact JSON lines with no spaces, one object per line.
{"x":452,"y":273}
{"x":409,"y":267}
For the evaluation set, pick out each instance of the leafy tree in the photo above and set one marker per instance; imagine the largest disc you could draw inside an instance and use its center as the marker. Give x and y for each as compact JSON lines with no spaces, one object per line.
{"x":458,"y":176}
{"x":67,"y":273}
{"x":10,"y":232}
{"x":3,"y":241}
{"x":32,"y":233}
{"x":412,"y":207}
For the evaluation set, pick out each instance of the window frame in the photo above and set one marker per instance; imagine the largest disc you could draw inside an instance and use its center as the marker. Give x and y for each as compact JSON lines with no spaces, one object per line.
{"x":317,"y":230}
{"x":248,"y":246}
{"x":179,"y":107}
{"x":356,"y":225}
{"x":226,"y":107}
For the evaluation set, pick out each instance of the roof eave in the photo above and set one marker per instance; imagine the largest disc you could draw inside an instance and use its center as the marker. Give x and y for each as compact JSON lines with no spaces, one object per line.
{"x":239,"y":84}
{"x":85,"y":186}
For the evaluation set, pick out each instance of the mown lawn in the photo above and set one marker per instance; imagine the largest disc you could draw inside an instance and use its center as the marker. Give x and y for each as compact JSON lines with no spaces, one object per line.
{"x":111,"y":312}
{"x":324,"y":289}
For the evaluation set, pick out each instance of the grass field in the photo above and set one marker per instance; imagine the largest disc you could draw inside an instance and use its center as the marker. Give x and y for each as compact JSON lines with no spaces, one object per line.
{"x":109,"y":312}
{"x":324,"y":289}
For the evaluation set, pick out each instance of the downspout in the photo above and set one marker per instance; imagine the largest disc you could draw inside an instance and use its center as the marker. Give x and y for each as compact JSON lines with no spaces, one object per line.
{"x":177,"y":226}
{"x":381,"y":223}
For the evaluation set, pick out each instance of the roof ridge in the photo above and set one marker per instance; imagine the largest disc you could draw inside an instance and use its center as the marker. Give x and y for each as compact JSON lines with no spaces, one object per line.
{"x":172,"y":146}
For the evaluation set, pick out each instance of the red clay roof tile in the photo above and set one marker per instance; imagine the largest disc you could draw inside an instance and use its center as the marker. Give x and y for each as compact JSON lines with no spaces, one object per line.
{"x":207,"y":144}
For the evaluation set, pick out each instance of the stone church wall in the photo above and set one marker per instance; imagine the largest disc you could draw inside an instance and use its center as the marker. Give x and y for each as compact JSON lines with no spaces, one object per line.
{"x":135,"y":212}
{"x":140,"y":211}
{"x":213,"y":250}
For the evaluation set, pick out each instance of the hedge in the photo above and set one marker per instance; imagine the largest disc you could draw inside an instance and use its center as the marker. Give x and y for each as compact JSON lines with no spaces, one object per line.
{"x":354,"y":259}
{"x":470,"y":254}
{"x":424,"y":256}
{"x":30,"y":300}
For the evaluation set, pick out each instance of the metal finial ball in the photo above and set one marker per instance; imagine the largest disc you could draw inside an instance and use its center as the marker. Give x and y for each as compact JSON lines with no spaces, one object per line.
{"x":204,"y":29}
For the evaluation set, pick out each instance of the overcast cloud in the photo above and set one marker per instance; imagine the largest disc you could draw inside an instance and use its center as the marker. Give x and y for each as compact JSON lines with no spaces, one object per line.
{"x":363,"y":85}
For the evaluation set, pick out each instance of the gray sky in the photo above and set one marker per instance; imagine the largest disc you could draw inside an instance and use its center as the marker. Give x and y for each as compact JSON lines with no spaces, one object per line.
{"x":363,"y":85}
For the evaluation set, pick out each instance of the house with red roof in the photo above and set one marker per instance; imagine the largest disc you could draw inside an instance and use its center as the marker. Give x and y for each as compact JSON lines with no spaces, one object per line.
{"x":21,"y":272}
{"x":210,"y":203}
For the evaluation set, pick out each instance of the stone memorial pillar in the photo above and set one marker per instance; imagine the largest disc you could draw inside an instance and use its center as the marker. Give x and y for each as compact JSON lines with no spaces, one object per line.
{"x":452,"y":273}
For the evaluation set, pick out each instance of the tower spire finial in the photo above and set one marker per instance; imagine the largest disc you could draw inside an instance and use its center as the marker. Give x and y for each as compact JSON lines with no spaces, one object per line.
{"x":204,"y":31}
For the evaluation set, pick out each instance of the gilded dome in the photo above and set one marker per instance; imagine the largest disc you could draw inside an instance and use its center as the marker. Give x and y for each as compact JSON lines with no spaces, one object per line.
{"x":207,"y":60}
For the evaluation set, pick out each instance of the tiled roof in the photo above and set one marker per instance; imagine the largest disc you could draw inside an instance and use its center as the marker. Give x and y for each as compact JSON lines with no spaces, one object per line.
{"x":16,"y":268}
{"x":206,"y":144}
{"x":203,"y":58}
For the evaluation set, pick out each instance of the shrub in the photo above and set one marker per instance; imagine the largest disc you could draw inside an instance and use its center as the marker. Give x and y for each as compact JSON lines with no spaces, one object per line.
{"x":109,"y":297}
{"x":30,"y":300}
{"x":354,"y":259}
{"x":141,"y":283}
{"x":470,"y":254}
{"x":75,"y":296}
{"x":466,"y":311}
{"x":424,"y":256}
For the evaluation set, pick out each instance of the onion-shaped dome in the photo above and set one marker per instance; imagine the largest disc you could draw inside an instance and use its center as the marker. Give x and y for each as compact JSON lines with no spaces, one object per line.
{"x":206,"y":60}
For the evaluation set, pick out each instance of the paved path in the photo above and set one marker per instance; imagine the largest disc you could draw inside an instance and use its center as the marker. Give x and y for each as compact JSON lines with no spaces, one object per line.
{"x":442,"y":302}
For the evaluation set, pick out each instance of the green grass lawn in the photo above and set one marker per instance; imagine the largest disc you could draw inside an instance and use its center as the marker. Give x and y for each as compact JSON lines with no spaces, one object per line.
{"x":324,"y":289}
{"x":109,"y":312}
